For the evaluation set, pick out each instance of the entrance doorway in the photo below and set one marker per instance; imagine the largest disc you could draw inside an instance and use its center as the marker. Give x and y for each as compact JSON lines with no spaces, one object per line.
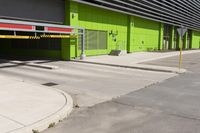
{"x":176,"y":39}
{"x":188,"y":45}
{"x":166,"y":37}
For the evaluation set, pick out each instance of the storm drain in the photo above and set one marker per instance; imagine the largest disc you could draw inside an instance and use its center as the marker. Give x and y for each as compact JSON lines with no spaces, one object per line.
{"x":50,"y":84}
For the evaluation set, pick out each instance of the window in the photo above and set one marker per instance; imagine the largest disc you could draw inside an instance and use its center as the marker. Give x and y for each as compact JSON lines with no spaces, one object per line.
{"x":94,"y":40}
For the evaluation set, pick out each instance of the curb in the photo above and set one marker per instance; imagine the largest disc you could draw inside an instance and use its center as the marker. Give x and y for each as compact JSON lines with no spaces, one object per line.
{"x":160,"y":68}
{"x":137,"y":65}
{"x":140,"y":67}
{"x":53,"y":119}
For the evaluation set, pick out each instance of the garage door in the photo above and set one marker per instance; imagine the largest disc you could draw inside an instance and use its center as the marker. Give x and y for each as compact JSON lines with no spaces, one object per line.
{"x":35,"y":10}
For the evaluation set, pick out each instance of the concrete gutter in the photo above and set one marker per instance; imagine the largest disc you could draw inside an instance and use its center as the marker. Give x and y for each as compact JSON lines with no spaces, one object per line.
{"x":140,"y":66}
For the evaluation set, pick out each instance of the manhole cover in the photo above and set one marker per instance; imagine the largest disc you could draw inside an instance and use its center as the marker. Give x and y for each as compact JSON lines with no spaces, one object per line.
{"x":50,"y":84}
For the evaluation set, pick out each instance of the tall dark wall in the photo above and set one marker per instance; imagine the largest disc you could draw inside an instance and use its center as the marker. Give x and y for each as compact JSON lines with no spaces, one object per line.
{"x":33,"y":10}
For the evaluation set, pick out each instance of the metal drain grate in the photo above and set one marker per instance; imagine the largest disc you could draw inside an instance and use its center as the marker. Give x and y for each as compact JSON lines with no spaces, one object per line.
{"x":50,"y":84}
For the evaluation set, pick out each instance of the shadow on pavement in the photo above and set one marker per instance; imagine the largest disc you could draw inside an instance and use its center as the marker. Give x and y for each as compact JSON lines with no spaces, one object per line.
{"x":14,"y":61}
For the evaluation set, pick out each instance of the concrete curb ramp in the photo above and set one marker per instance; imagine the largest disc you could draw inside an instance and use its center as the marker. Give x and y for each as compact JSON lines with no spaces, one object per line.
{"x":27,"y":107}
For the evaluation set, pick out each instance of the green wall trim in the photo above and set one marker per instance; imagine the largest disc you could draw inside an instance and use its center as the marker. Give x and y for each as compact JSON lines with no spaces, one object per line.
{"x":129,"y":34}
{"x":185,"y":41}
{"x":171,"y":43}
{"x":195,"y":39}
{"x":161,"y":36}
{"x":130,"y":39}
{"x":69,"y":46}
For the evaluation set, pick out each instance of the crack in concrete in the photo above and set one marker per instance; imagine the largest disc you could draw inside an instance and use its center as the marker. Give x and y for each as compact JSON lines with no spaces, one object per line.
{"x":171,"y":114}
{"x":185,"y":117}
{"x":123,"y":104}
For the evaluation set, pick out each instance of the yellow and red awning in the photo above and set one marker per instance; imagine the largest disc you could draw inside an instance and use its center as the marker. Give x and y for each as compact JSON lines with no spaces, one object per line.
{"x":48,"y":30}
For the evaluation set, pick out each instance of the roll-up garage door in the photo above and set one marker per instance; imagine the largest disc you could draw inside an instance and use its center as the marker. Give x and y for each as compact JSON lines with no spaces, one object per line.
{"x":52,"y":11}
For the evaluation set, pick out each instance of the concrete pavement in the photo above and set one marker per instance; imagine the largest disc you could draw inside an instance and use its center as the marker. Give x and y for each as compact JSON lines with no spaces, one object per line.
{"x":88,"y":84}
{"x":171,"y":106}
{"x":25,"y":107}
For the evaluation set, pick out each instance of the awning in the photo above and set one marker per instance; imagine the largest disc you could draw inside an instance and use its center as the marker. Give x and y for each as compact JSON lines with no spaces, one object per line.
{"x":39,"y":30}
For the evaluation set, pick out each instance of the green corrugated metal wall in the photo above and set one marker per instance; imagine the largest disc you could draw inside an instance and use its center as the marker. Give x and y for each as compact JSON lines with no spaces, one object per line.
{"x":144,"y":35}
{"x":115,"y":24}
{"x":131,"y":33}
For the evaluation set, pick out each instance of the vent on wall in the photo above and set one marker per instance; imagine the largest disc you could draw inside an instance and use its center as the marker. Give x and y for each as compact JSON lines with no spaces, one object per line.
{"x":95,"y":40}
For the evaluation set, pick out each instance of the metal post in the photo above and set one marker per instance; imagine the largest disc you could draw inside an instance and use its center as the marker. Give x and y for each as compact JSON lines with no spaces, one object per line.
{"x":181,"y":32}
{"x":180,"y":57}
{"x":82,"y":56}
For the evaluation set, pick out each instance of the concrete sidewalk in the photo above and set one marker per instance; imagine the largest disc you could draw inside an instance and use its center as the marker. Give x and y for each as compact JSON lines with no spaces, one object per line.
{"x":26,"y":107}
{"x":132,"y":60}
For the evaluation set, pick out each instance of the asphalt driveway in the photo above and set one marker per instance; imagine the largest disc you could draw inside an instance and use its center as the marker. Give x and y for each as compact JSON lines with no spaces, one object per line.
{"x":168,"y":107}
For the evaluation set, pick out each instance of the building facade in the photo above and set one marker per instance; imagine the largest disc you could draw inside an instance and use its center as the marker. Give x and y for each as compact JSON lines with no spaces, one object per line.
{"x":129,"y":25}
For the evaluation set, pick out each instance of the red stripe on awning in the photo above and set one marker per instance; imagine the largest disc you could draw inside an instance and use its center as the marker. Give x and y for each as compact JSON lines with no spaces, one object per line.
{"x":59,"y":29}
{"x":16,"y":26}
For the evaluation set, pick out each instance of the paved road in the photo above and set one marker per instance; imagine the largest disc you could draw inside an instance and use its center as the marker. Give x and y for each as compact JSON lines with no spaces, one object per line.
{"x":88,"y":84}
{"x":169,"y":107}
{"x":190,"y":62}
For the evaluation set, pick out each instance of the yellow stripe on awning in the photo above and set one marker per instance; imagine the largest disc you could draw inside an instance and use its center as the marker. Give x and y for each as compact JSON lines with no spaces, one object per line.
{"x":18,"y":37}
{"x":14,"y":37}
{"x":36,"y":37}
{"x":58,"y":36}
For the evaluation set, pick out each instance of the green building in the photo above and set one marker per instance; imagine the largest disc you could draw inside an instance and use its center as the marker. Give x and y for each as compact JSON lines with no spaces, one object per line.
{"x":130,"y":26}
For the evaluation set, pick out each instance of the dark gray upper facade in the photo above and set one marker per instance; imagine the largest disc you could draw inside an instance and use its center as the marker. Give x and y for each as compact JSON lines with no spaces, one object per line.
{"x":174,"y":12}
{"x":51,"y":11}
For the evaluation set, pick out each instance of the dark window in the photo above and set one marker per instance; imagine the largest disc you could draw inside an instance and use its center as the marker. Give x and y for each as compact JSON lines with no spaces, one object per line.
{"x":43,"y":44}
